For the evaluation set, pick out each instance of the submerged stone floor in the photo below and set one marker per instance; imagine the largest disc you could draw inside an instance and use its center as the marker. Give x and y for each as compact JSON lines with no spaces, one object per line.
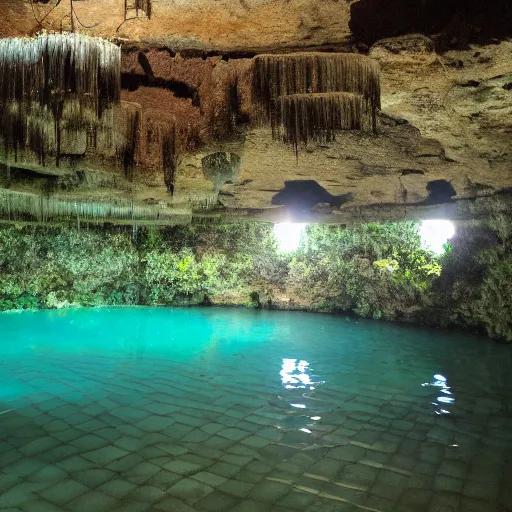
{"x":191,"y":446}
{"x":145,"y":435}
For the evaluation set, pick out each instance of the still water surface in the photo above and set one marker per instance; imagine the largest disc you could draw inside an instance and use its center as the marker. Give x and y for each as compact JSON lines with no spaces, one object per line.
{"x":149,"y":409}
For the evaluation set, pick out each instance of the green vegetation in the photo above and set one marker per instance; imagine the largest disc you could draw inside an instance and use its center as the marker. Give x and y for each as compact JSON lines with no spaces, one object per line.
{"x":372,"y":270}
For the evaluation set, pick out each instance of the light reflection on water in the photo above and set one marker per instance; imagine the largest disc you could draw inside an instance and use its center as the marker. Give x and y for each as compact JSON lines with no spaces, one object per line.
{"x":295,"y":376}
{"x":441,"y":402}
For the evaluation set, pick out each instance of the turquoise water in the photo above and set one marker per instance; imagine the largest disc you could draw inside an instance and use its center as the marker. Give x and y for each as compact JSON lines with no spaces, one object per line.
{"x":149,"y":409}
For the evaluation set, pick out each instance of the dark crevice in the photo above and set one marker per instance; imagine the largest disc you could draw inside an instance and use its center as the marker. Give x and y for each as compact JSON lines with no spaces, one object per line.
{"x":470,"y":83}
{"x":406,"y":172}
{"x":457,"y":23}
{"x":440,"y":191}
{"x":145,"y":65}
{"x":132,"y":81}
{"x":202,"y":54}
{"x":195,"y":53}
{"x":304,"y":194}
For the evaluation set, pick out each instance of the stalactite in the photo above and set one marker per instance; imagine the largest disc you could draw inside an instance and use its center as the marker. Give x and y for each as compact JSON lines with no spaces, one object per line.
{"x":233,"y":102}
{"x":16,"y":205}
{"x":137,"y":5}
{"x":303,"y":73}
{"x":169,"y":158}
{"x":53,"y":85}
{"x":130,"y":148}
{"x":300,"y":118}
{"x":144,"y":5}
{"x":221,"y":167}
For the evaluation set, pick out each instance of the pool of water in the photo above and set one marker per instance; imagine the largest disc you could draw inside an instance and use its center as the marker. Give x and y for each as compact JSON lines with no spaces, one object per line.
{"x":156,"y":409}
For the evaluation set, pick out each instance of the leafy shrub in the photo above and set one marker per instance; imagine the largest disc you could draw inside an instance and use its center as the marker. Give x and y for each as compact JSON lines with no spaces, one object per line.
{"x":373,"y":270}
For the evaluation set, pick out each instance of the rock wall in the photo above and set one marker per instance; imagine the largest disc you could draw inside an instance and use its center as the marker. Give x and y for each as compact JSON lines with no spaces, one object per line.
{"x":239,"y":25}
{"x":443,"y":133}
{"x":228,"y":24}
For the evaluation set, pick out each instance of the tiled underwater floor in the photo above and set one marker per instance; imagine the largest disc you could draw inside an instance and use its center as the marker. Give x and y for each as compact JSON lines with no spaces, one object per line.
{"x":91,"y":432}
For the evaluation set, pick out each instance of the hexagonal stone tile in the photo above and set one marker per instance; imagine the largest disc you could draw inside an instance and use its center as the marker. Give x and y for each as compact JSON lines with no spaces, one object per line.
{"x":235,"y":434}
{"x":94,"y":477}
{"x":92,"y":425}
{"x":269,"y":491}
{"x":70,"y":434}
{"x":109,"y":433}
{"x":237,"y":488}
{"x":19,"y":494}
{"x":142,"y":473}
{"x":66,"y":411}
{"x":255,"y":442}
{"x":132,"y":506}
{"x":24,"y":467}
{"x":224,"y":469}
{"x":75,"y":463}
{"x":8,"y":481}
{"x":173,"y":504}
{"x":147,"y":494}
{"x":40,"y":445}
{"x":164,"y":479}
{"x":182,"y":467}
{"x":217,"y":501}
{"x":105,"y":455}
{"x":49,"y":474}
{"x":60,"y":452}
{"x":210,"y":478}
{"x":212,"y":428}
{"x":40,"y":505}
{"x":250,"y":506}
{"x":129,"y":413}
{"x":117,"y":488}
{"x":160,"y":408}
{"x":155,"y":423}
{"x":63,"y":492}
{"x":56,"y":426}
{"x":131,"y":444}
{"x":78,"y":418}
{"x":190,"y":489}
{"x":94,"y":500}
{"x":196,"y":436}
{"x":89,"y":442}
{"x":125,"y":463}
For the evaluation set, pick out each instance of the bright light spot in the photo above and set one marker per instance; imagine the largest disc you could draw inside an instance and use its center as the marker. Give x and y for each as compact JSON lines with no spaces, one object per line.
{"x":435,"y":233}
{"x":305,"y":430}
{"x":315,"y":418}
{"x":299,"y":406}
{"x":440,"y":381}
{"x":305,"y":379}
{"x":302,"y":366}
{"x":288,"y":235}
{"x":294,"y":374}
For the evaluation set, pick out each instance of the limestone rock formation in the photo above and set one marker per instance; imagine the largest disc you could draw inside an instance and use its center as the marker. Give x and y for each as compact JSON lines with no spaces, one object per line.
{"x":187,"y":96}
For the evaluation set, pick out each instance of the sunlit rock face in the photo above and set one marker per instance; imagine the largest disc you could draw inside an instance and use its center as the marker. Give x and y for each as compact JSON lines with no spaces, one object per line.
{"x":234,"y":24}
{"x":187,"y":94}
{"x":259,"y":24}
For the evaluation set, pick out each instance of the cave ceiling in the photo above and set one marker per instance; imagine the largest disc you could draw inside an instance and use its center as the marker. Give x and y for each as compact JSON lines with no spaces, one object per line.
{"x":443,"y":138}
